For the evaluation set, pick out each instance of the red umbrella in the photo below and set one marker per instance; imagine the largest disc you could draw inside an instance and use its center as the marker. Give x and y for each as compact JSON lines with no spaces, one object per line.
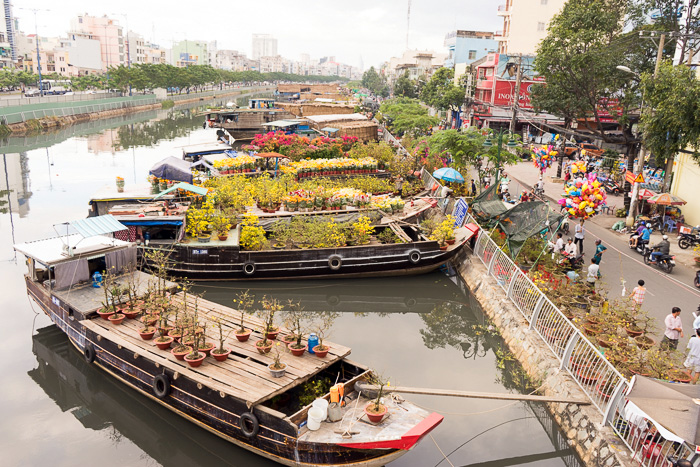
{"x":666,"y":199}
{"x":645,"y":193}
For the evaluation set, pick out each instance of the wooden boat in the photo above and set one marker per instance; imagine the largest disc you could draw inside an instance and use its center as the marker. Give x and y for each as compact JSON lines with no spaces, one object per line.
{"x":237,"y":399}
{"x":237,"y":121}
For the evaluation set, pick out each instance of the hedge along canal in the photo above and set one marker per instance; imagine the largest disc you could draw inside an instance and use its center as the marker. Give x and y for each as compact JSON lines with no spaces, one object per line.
{"x":32,"y":118}
{"x":596,"y":444}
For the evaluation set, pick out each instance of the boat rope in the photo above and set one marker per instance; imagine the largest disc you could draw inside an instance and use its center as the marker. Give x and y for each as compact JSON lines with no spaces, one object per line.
{"x":443,"y":454}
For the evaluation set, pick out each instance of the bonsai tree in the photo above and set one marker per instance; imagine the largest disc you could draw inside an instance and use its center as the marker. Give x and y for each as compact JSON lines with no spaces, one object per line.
{"x":221,"y":224}
{"x":375,"y":410}
{"x":362,"y":229}
{"x":223,"y":335}
{"x":294,"y":320}
{"x":281,"y":232}
{"x":270,"y":307}
{"x":244,"y":301}
{"x":323,"y":325}
{"x":276,"y":359}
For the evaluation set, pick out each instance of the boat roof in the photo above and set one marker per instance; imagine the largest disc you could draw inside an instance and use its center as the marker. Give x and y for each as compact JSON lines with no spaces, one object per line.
{"x":52,"y":251}
{"x":131,"y":192}
{"x":282,"y":123}
{"x":205,"y":148}
{"x":335,"y":117}
{"x":211,"y":158}
{"x":93,"y":226}
{"x":329,"y":129}
{"x":198,"y":190}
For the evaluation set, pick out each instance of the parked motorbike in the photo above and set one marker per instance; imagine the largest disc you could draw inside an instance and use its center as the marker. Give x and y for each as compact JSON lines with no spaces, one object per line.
{"x":657,"y":223}
{"x":612,"y":187}
{"x":664,"y":262}
{"x":686,"y":240}
{"x":571,"y":264}
{"x":539,"y":192}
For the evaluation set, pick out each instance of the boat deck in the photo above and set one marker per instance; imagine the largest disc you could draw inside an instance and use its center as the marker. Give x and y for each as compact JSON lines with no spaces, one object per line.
{"x":244,"y":374}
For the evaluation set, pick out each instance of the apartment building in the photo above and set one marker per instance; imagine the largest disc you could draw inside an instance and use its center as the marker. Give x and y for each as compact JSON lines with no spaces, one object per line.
{"x":525,"y":24}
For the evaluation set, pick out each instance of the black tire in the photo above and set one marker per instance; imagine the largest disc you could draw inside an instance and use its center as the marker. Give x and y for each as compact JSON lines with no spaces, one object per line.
{"x":565,"y":228}
{"x":414,"y":256}
{"x":667,"y":267}
{"x":89,"y":352}
{"x":647,"y":259}
{"x":249,"y":425}
{"x":684,"y":243}
{"x":249,"y":268}
{"x":161,"y":386}
{"x":335,"y":262}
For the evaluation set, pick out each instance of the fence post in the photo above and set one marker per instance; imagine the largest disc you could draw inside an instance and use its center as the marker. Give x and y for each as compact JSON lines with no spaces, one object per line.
{"x":569,"y":349}
{"x":613,"y":402}
{"x":493,"y":259}
{"x":536,"y":311}
{"x":511,"y":285}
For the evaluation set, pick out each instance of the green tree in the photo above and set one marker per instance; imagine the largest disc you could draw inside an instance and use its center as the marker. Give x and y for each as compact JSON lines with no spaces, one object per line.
{"x":405,"y":87}
{"x":440,"y":91}
{"x":375,"y":82}
{"x":406,"y":115}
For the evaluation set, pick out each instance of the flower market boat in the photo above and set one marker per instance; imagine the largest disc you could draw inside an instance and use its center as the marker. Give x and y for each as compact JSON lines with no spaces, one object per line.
{"x":247,"y":120}
{"x":237,"y":398}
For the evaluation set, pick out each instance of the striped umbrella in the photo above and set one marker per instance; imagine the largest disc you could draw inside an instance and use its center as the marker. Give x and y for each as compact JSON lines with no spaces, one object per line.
{"x":666,"y":199}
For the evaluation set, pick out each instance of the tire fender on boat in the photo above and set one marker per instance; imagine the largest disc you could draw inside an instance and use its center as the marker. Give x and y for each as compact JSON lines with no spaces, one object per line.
{"x":249,"y":268}
{"x":335,"y":262}
{"x":249,"y":424}
{"x":161,"y":386}
{"x":89,"y":352}
{"x":414,"y":256}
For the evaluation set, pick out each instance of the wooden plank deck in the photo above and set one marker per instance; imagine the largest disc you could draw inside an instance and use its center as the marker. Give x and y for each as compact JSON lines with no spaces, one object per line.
{"x":244,"y":374}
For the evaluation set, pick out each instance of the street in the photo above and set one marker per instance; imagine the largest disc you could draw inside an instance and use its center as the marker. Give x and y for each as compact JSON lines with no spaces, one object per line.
{"x":619,"y":263}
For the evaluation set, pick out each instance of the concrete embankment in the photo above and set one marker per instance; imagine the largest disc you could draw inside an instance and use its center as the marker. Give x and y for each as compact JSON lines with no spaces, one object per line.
{"x":95,"y":110}
{"x":595,"y":443}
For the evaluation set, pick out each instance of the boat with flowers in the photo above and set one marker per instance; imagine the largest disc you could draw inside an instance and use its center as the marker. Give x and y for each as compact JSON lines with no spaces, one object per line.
{"x":243,"y":121}
{"x":233,"y":394}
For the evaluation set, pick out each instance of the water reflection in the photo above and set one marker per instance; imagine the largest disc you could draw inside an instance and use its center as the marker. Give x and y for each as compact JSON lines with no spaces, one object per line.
{"x":14,"y":184}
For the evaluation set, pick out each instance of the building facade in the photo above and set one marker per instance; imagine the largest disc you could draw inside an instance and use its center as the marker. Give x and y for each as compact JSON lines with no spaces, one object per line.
{"x":417,"y":63}
{"x":467,"y":46}
{"x":264,"y":45}
{"x":186,"y":53}
{"x":108,"y":32}
{"x":525,"y":24}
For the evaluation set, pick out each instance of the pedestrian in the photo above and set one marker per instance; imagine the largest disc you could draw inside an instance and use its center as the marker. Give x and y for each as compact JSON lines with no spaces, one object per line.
{"x":696,"y":323}
{"x":579,"y":234}
{"x":559,"y":245}
{"x":593,"y":274}
{"x":674,"y":330}
{"x":599,"y":249}
{"x":637,"y":294}
{"x":473,"y":188}
{"x":570,"y":248}
{"x":692,"y":362}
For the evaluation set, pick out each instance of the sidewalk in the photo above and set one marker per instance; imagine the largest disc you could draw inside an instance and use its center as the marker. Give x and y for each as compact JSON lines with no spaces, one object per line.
{"x":527,"y":175}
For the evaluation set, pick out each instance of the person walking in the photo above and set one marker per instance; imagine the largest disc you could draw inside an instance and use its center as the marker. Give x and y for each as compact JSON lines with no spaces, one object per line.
{"x":638,"y":293}
{"x":599,"y":249}
{"x":674,"y":330}
{"x":473,"y":188}
{"x":593,"y":274}
{"x":579,"y":234}
{"x":692,"y":361}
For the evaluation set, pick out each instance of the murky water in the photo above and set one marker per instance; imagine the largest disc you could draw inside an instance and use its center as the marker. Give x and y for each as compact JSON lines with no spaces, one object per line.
{"x":424,"y":331}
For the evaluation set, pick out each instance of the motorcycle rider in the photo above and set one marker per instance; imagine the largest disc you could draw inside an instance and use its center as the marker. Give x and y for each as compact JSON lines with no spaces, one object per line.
{"x":645,"y":236}
{"x":663,"y":248}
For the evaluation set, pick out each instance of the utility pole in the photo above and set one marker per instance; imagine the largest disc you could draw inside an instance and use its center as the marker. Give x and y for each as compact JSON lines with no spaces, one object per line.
{"x":516,"y":93}
{"x":38,"y":57}
{"x":639,"y":167}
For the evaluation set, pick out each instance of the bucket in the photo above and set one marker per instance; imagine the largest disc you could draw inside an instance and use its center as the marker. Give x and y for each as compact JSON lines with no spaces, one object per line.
{"x":314,"y":419}
{"x":335,"y":412}
{"x":323,"y":405}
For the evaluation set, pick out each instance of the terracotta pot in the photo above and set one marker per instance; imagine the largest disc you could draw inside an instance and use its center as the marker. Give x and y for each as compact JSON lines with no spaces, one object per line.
{"x":261,"y":349}
{"x":223,"y":237}
{"x":243,"y":337}
{"x":680,"y":376}
{"x":644,"y":342}
{"x":175,"y":335}
{"x":443,"y":248}
{"x":277,"y":373}
{"x":604,"y":386}
{"x":117,"y":318}
{"x":131,"y":314}
{"x":221,"y":357}
{"x":105,"y":314}
{"x":451,"y":241}
{"x":296,"y":352}
{"x":208,"y":347}
{"x":149,"y":320}
{"x":633,"y":333}
{"x":288,"y":339}
{"x":272,"y":335}
{"x":321,"y":353}
{"x":587,"y":375}
{"x":181,"y":354}
{"x":163,"y":343}
{"x":375,"y":417}
{"x":147,"y":335}
{"x":195,"y":362}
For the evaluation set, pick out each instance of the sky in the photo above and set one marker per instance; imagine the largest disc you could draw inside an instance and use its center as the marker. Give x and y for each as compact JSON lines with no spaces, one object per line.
{"x":366,"y":32}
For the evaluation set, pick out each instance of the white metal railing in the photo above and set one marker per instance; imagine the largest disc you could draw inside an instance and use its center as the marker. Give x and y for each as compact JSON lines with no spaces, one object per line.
{"x":23,"y":116}
{"x":77,"y":97}
{"x":593,"y":373}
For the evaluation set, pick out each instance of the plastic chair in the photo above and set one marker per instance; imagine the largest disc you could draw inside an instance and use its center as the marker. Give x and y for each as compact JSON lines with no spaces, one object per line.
{"x":670,"y":225}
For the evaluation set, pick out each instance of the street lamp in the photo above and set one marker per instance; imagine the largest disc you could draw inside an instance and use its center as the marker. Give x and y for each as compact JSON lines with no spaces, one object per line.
{"x":511,"y":144}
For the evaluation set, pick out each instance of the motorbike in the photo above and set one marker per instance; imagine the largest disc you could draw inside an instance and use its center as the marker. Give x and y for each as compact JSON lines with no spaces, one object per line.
{"x":612,"y":187}
{"x":641,"y":246}
{"x":696,"y":281}
{"x":686,"y":240}
{"x":664,"y":262}
{"x":569,"y":264}
{"x":657,"y":223}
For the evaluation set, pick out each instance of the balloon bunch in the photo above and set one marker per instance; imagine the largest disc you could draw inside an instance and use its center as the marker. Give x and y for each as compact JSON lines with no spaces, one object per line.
{"x":578,"y":167}
{"x":543,"y":157}
{"x":583,"y":196}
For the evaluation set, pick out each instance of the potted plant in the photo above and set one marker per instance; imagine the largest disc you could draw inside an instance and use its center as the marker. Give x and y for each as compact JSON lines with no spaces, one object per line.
{"x":277,"y":368}
{"x":180,"y":350}
{"x":117,"y":318}
{"x":221,"y":353}
{"x":270,"y":308}
{"x":362,"y":230}
{"x":245,"y":302}
{"x":322,"y":326}
{"x":295,"y":319}
{"x":147,"y":332}
{"x":194,"y":358}
{"x":221,"y":225}
{"x":375,"y":410}
{"x":203,"y":345}
{"x":163,"y":342}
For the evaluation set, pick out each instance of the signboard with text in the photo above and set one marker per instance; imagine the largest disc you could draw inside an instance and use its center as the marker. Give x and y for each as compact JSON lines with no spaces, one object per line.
{"x":503,"y":93}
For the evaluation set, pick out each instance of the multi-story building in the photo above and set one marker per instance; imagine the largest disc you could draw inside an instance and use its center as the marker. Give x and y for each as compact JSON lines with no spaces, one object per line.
{"x":108,"y":32}
{"x":155,"y":55}
{"x":467,"y":46}
{"x":264,"y":45}
{"x":417,"y":63}
{"x":186,"y":53}
{"x":275,"y":64}
{"x":8,"y":44}
{"x":525,"y":24}
{"x":135,"y":48}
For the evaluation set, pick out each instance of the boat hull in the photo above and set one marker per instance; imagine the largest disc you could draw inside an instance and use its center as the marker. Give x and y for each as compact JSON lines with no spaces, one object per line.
{"x":229,"y":263}
{"x":212,"y":410}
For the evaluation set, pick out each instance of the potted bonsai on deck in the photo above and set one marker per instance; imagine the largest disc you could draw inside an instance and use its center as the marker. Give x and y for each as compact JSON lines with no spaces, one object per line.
{"x":323,"y":326}
{"x":244,"y":301}
{"x":277,"y":368}
{"x":221,"y":353}
{"x":375,"y":410}
{"x":295,"y":317}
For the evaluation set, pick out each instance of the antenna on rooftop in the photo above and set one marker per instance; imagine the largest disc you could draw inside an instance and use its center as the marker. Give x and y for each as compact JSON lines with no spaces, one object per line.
{"x":408,"y":22}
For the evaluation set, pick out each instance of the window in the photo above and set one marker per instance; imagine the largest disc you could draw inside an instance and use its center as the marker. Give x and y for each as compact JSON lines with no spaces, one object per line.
{"x":540,"y":26}
{"x":489,"y":72}
{"x":472,"y":54}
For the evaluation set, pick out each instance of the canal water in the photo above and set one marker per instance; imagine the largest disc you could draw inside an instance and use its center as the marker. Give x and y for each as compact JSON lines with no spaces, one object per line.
{"x":424,"y":331}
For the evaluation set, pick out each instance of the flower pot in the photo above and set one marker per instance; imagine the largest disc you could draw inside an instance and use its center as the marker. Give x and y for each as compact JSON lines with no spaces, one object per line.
{"x":196,"y":361}
{"x":263,"y":349}
{"x":272,"y":335}
{"x":451,"y":241}
{"x":605,"y":388}
{"x":633,"y":332}
{"x":131,"y":314}
{"x":288,"y":338}
{"x":208,"y":347}
{"x":221,"y":357}
{"x":147,"y":335}
{"x":321,"y":353}
{"x":149,"y":320}
{"x":644,"y":342}
{"x":117,"y":318}
{"x":105,"y":314}
{"x":242,"y":337}
{"x":204,"y":239}
{"x":443,"y":248}
{"x":180,"y":355}
{"x":680,"y":376}
{"x":163,"y":343}
{"x":375,"y":416}
{"x":277,"y":373}
{"x":175,"y":335}
{"x":587,"y":375}
{"x":296,"y":352}
{"x":223,"y":237}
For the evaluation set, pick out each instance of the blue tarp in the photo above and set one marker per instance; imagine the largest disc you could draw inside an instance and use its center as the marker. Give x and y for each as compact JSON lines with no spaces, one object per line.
{"x":153,"y":222}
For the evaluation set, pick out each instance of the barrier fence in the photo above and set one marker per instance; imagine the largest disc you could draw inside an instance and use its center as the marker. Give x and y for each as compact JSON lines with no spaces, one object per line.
{"x":24,"y":115}
{"x":76,"y":97}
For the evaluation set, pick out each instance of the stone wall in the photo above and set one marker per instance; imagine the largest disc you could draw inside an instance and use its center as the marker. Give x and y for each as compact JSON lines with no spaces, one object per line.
{"x":582,"y":425}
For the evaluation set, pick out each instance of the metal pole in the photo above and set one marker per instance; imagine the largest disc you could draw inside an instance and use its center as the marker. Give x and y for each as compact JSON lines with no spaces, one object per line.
{"x":38,"y":58}
{"x":516,"y":94}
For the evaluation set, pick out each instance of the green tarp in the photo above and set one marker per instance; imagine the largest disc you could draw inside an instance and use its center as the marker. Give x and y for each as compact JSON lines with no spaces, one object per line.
{"x":184,"y":186}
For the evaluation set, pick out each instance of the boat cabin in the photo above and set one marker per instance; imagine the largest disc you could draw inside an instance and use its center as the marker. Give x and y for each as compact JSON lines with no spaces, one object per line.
{"x":289,"y":127}
{"x":261,"y":103}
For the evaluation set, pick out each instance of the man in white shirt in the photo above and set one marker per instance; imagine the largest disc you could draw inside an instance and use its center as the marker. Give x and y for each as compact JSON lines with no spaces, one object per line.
{"x":570,"y":248}
{"x":593,"y":271}
{"x":559,"y":245}
{"x":674,"y":330}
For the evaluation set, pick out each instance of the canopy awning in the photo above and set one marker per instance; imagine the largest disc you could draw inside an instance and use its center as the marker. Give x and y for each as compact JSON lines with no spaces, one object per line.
{"x":329,"y":129}
{"x":172,"y":168}
{"x":271,"y":155}
{"x":201,"y":191}
{"x":281,"y":123}
{"x":93,"y":226}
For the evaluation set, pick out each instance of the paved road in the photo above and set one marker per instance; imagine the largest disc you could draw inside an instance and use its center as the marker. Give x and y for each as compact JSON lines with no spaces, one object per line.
{"x":620,"y":263}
